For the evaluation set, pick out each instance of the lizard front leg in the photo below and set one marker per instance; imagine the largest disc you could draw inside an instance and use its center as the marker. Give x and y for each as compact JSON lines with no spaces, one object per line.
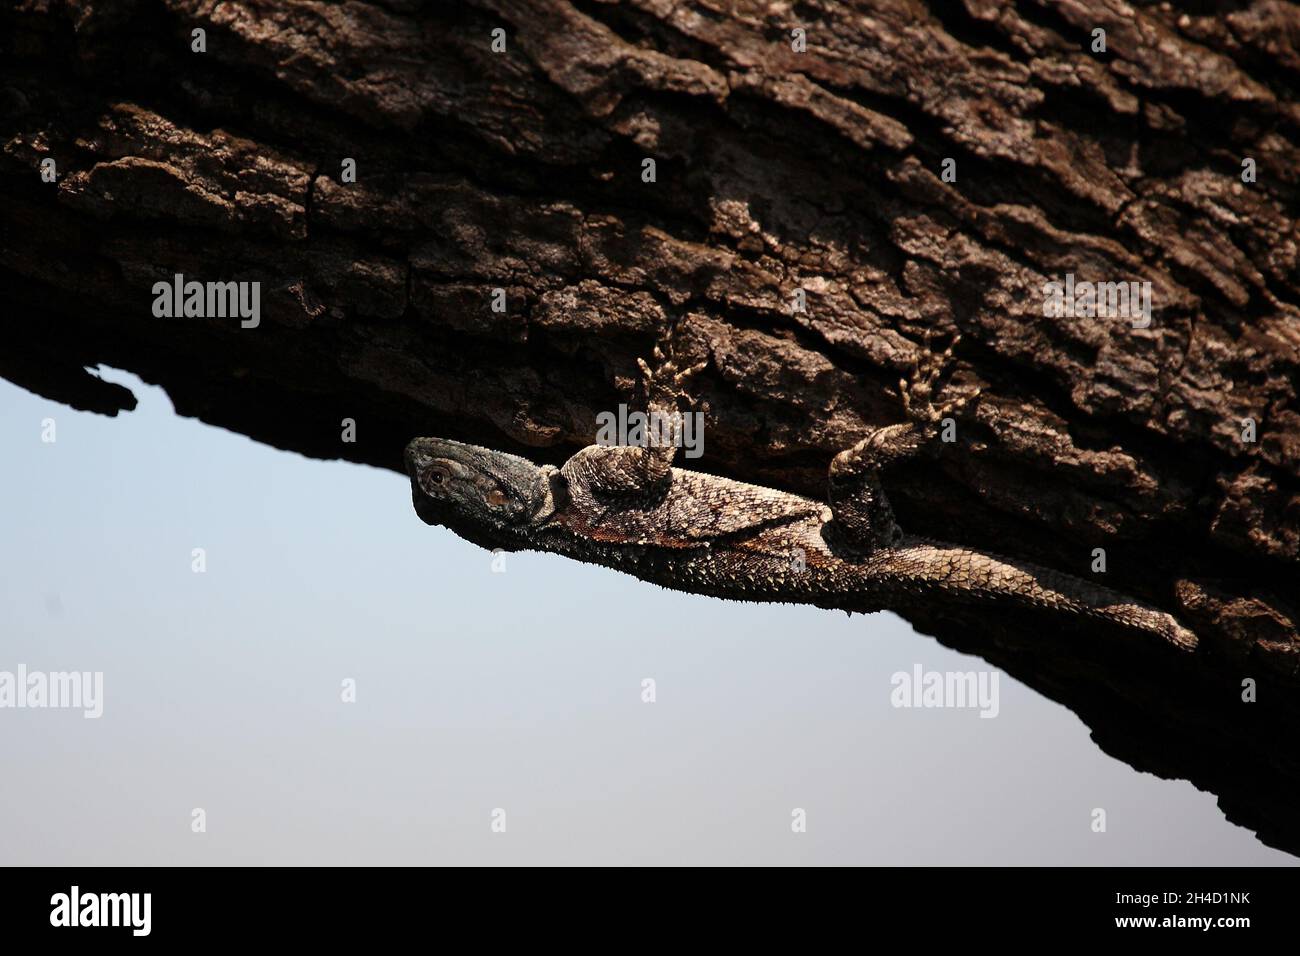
{"x":863,"y":518}
{"x":623,"y":470}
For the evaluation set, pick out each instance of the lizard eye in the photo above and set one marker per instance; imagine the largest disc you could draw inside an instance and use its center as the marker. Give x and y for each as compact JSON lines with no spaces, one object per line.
{"x":434,"y":476}
{"x":496,"y":498}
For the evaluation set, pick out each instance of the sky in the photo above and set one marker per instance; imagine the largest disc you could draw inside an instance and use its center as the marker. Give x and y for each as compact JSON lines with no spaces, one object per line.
{"x":342,"y":684}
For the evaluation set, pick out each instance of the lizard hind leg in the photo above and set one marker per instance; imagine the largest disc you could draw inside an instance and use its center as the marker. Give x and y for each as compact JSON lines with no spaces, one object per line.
{"x":863,"y":517}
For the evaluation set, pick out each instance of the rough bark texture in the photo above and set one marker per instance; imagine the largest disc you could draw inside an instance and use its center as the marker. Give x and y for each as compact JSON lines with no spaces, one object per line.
{"x":776,"y":170}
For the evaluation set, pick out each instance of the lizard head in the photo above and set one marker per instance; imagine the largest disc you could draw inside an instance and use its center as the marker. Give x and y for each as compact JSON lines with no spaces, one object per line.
{"x":487,"y":497}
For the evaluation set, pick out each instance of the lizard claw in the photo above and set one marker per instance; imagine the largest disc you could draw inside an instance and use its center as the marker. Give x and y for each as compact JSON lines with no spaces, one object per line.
{"x":685,"y":375}
{"x":924,"y":400}
{"x":666,"y":382}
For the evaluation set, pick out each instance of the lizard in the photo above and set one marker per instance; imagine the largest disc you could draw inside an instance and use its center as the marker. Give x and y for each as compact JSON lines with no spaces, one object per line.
{"x":627,"y":507}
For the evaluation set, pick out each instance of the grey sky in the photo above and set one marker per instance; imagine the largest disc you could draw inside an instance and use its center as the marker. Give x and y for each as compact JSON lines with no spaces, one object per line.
{"x":478,"y":690}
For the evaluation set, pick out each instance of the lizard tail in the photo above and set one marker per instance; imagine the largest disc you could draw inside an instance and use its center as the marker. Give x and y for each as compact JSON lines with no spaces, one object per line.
{"x":928,"y":566}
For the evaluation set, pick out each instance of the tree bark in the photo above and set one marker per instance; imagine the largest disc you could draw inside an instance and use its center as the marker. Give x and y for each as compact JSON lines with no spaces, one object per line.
{"x":778,"y":173}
